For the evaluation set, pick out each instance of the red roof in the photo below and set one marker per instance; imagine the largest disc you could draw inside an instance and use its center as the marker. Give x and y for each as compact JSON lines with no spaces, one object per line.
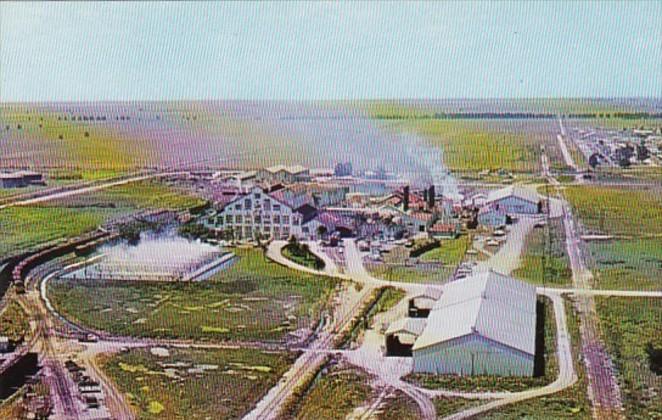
{"x":442,"y":228}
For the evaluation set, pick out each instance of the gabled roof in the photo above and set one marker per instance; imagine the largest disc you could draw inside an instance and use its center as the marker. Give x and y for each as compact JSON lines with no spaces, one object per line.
{"x":492,"y":305}
{"x":414,"y":326}
{"x":295,"y":169}
{"x":292,"y":199}
{"x":522,"y":193}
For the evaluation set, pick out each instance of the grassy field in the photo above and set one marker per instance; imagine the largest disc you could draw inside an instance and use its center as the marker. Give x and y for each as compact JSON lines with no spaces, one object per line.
{"x":27,"y":226}
{"x":334,"y":394}
{"x":499,"y":383}
{"x":571,"y":403}
{"x":196,"y":383}
{"x":634,"y":260}
{"x":545,"y":259}
{"x":450,"y":252}
{"x":91,"y":149}
{"x":439,"y":263}
{"x":634,"y":264}
{"x":464,"y":144}
{"x":254,"y":299}
{"x":14,"y":321}
{"x":628,"y":327}
{"x":612,"y":210}
{"x":447,"y":406}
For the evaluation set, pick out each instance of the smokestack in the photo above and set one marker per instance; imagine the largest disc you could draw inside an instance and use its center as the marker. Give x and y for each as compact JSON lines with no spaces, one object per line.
{"x":431,"y":197}
{"x":405,"y":198}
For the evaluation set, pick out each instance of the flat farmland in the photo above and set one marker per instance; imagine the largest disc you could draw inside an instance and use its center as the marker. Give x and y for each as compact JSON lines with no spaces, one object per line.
{"x":24,"y":227}
{"x":195,"y":383}
{"x":634,"y":264}
{"x":631,"y":212}
{"x":254,"y":299}
{"x":631,"y":329}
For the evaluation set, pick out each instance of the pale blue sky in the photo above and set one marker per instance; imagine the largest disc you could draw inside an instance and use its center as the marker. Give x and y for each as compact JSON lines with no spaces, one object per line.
{"x":297,"y":50}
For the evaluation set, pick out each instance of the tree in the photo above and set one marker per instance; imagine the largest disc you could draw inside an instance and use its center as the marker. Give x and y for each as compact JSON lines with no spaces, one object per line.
{"x":322,"y":230}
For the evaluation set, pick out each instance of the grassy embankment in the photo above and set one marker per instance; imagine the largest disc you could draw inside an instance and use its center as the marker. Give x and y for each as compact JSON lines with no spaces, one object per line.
{"x":254,"y":299}
{"x":14,"y":321}
{"x":633,"y":259}
{"x":334,"y":394}
{"x":631,"y":329}
{"x":196,"y":383}
{"x":300,"y":254}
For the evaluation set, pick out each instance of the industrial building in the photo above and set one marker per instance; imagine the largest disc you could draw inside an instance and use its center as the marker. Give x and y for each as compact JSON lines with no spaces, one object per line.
{"x":482,"y":325}
{"x":276,"y":215}
{"x":285,"y":174}
{"x":20,"y":179}
{"x":515,"y":199}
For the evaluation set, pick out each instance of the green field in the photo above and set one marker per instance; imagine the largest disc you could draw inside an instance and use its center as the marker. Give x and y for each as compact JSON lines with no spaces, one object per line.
{"x":90,"y":149}
{"x":196,"y":384}
{"x":464,"y":144}
{"x":447,"y":406}
{"x":254,"y":299}
{"x":545,"y":260}
{"x":27,"y":226}
{"x":571,"y":403}
{"x":618,"y":211}
{"x":485,"y":383}
{"x":443,"y":260}
{"x":334,"y":394}
{"x":629,"y":326}
{"x":450,"y":252}
{"x":634,"y":264}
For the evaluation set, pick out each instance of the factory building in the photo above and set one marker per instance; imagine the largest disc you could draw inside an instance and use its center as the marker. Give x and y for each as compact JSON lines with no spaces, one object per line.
{"x":515,"y":199}
{"x":276,"y":215}
{"x":284,"y":174}
{"x":481,"y":325}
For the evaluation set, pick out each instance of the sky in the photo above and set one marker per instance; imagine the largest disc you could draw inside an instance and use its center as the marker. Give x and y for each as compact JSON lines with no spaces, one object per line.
{"x":84,"y":51}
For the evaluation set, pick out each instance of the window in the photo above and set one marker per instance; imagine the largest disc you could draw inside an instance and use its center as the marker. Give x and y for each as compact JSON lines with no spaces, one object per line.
{"x":258,"y":218}
{"x":237,"y":206}
{"x":228,"y":218}
{"x":276,"y":219}
{"x":247,"y":220}
{"x":276,"y":207}
{"x":267,"y":204}
{"x":286,"y":220}
{"x":248,"y":204}
{"x":286,"y":232}
{"x":305,"y":229}
{"x":256,"y":195}
{"x":295,"y":220}
{"x":238,"y":218}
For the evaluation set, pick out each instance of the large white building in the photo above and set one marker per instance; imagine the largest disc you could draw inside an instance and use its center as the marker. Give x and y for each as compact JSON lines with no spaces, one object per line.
{"x":515,"y":199}
{"x":482,"y":325}
{"x":269,"y":215}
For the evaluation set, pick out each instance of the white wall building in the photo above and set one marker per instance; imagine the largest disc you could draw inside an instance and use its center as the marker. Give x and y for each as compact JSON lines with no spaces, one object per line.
{"x":482,"y":325}
{"x":260,"y":212}
{"x":515,"y":199}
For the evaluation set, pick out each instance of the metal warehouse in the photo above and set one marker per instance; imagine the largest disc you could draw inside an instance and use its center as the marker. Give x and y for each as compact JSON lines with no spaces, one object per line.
{"x":482,"y":325}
